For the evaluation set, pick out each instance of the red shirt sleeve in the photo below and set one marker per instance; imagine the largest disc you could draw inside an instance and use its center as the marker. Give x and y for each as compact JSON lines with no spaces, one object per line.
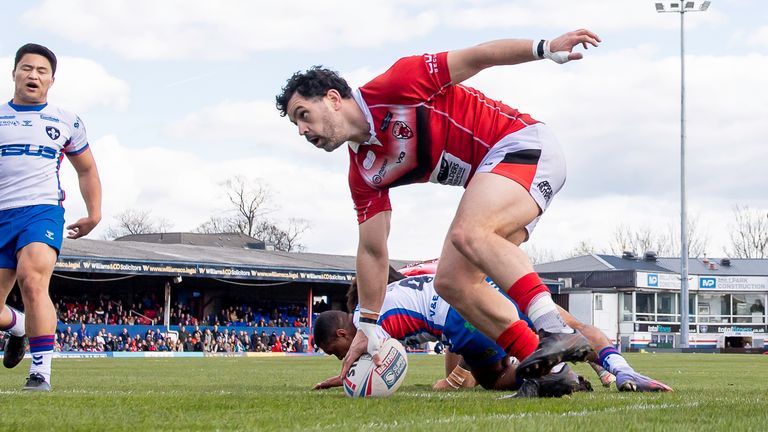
{"x":368,"y":200}
{"x":410,"y":80}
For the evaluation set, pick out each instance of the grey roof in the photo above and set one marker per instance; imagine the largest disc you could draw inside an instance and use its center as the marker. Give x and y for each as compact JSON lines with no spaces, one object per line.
{"x":598,"y":262}
{"x":611,"y":263}
{"x":581,"y":263}
{"x":233,"y":240}
{"x":183,"y":253}
{"x":737,"y":267}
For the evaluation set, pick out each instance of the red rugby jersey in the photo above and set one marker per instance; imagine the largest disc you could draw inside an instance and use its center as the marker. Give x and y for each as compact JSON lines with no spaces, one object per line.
{"x":423,"y":129}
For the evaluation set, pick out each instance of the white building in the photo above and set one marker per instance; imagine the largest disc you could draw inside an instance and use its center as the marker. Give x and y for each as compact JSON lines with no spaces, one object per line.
{"x":635,"y":300}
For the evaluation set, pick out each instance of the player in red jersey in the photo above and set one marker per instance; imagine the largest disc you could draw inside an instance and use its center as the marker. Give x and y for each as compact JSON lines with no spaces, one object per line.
{"x":415,"y":123}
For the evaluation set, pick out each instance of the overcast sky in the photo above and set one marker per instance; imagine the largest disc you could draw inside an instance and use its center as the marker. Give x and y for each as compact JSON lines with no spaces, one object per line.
{"x":177,"y":96}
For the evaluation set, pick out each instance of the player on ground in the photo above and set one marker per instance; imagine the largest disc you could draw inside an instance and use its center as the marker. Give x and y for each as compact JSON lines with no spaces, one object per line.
{"x":416,"y":123}
{"x":412,"y":311}
{"x":34,"y":137}
{"x":612,"y":365}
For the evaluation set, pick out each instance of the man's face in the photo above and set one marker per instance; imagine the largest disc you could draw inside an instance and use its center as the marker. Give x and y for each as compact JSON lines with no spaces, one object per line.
{"x":33,"y":77}
{"x":318,"y":119}
{"x":339,"y":345}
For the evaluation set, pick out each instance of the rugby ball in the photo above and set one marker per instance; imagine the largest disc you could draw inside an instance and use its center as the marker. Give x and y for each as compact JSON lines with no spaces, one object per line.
{"x":366,"y":380}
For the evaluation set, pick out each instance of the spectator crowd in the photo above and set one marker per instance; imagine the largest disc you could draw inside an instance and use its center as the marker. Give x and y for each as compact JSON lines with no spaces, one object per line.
{"x":215,"y":339}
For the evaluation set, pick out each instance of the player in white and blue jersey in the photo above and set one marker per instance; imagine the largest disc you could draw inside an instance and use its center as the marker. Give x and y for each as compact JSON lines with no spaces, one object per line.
{"x":413,"y":312}
{"x":34,"y":138}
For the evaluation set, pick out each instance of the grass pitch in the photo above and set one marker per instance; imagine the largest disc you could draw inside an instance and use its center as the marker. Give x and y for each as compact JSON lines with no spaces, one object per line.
{"x":713,"y":392}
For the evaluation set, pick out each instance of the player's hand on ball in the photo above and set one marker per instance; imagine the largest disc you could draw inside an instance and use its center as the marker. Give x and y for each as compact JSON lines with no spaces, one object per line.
{"x":361,"y":344}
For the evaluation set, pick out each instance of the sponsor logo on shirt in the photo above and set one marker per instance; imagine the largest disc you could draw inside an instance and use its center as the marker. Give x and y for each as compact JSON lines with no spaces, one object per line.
{"x":451,"y":171}
{"x":27,"y":123}
{"x":7,"y":117}
{"x":369,"y":159}
{"x":379,"y":176}
{"x":28,"y":150}
{"x":9,"y":123}
{"x":49,"y":118}
{"x":400,"y":157}
{"x":385,"y":122}
{"x":52,"y":132}
{"x":431,"y":61}
{"x":401,"y":130}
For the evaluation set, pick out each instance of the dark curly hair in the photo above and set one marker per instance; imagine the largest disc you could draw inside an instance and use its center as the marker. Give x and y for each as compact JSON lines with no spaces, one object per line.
{"x":314,"y":82}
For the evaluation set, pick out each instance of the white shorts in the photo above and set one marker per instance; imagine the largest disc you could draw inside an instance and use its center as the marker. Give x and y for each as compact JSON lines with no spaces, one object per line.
{"x":532,"y":157}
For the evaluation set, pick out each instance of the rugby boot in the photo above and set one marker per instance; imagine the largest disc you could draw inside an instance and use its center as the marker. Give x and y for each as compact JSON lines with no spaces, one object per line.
{"x":36,"y":382}
{"x":561,"y":381}
{"x":554,"y":348}
{"x":634,"y":382}
{"x":15,"y":346}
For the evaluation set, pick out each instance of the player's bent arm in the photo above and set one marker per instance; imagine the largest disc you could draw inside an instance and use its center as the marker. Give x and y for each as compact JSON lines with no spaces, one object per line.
{"x":334,"y":381}
{"x":465,"y":63}
{"x":373,"y":261}
{"x":90,"y":188}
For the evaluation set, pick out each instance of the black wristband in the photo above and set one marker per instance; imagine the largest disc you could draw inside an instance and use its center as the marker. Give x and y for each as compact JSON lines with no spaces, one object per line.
{"x":368,"y":320}
{"x":540,"y":49}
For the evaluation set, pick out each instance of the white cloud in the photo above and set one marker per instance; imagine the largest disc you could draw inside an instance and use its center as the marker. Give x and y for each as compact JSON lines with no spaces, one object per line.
{"x":759,"y":38}
{"x":198,"y":29}
{"x":565,"y":15}
{"x":81,"y":84}
{"x":182,"y":29}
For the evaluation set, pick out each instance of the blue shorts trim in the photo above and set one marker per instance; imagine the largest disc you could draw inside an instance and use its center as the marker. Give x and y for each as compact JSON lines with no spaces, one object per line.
{"x":32,"y":224}
{"x":464,"y":339}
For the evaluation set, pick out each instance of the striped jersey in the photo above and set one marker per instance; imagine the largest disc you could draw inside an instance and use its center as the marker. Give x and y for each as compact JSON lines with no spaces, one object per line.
{"x":412,"y":311}
{"x":423,"y":128}
{"x":33,"y":141}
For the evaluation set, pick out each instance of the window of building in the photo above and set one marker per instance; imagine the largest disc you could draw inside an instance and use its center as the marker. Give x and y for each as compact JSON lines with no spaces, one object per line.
{"x":625,"y":301}
{"x":748,"y":308}
{"x":598,"y":302}
{"x":714,"y":308}
{"x":666,"y":307}
{"x":646,"y":306}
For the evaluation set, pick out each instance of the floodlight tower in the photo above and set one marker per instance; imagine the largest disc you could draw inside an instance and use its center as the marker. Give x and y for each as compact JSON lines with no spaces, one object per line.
{"x":682,"y":7}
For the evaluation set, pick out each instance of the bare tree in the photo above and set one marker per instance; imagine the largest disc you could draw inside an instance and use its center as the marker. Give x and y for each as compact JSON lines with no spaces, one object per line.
{"x":249,"y":200}
{"x":644,"y":239}
{"x":282,"y":239}
{"x":749,"y":234}
{"x":583,"y":248}
{"x":217,"y":225}
{"x":697,"y":240}
{"x":538,"y":256}
{"x":136,"y":222}
{"x":250,"y":203}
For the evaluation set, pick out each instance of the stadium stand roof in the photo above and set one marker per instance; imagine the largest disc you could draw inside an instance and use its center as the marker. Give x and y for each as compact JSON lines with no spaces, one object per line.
{"x":232,"y":240}
{"x":134,"y":257}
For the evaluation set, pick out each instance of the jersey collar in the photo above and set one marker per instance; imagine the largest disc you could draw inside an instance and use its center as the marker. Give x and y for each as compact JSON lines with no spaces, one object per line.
{"x":27,"y":107}
{"x":358,"y":97}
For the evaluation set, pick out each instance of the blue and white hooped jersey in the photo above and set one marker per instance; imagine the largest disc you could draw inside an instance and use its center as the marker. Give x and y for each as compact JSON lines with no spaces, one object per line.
{"x":33,"y":141}
{"x":412,"y":311}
